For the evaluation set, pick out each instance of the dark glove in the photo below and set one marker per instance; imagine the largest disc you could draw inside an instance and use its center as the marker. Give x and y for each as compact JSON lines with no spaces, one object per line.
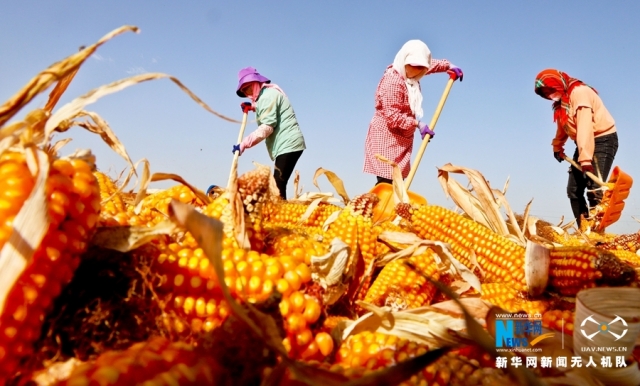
{"x":246,"y":107}
{"x":236,"y":148}
{"x":559,"y":155}
{"x":424,"y":130}
{"x":585,"y":169}
{"x":455,"y":73}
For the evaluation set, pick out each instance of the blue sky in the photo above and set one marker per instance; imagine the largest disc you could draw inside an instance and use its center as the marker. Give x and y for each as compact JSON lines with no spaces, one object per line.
{"x":328,"y":57}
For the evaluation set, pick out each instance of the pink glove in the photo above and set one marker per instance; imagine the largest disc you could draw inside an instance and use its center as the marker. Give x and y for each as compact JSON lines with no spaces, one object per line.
{"x":424,"y":130}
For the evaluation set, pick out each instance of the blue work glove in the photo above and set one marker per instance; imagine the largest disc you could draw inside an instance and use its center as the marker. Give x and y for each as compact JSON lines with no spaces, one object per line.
{"x":455,"y":73}
{"x":246,"y":107}
{"x":424,"y":130}
{"x":236,"y":148}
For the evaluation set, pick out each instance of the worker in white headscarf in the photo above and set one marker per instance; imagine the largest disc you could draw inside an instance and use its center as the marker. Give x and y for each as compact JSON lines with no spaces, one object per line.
{"x":398,"y":109}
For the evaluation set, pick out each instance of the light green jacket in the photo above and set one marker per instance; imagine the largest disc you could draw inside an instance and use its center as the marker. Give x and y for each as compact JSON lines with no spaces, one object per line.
{"x":274,"y":109}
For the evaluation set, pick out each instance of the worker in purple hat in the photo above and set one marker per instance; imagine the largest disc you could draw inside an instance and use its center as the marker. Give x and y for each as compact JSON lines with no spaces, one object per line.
{"x":277,"y":124}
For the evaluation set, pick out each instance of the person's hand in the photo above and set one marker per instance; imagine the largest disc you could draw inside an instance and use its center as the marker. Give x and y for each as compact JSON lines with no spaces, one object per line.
{"x":237,"y":148}
{"x":455,"y":73}
{"x":559,"y":155}
{"x":246,"y":107}
{"x":586,"y":168}
{"x":424,"y":130}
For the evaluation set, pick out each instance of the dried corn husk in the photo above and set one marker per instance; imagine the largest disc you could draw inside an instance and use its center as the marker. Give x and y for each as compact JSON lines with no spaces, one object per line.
{"x":335,"y":181}
{"x":417,"y":246}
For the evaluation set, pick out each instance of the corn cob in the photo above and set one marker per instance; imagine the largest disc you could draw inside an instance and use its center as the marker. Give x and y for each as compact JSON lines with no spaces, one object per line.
{"x":256,"y":188}
{"x":572,"y":269}
{"x":626,"y":256}
{"x":509,"y":299}
{"x":74,"y":201}
{"x":531,"y":307}
{"x":288,"y":214}
{"x":499,"y":293}
{"x":195,"y":302}
{"x":559,"y":320}
{"x":113,"y":209}
{"x":353,"y":226}
{"x":401,"y":287}
{"x":373,"y":351}
{"x":255,"y":192}
{"x":382,"y":248}
{"x":155,"y":362}
{"x":568,"y":240}
{"x":630,"y":242}
{"x":499,"y":258}
{"x":154,"y":207}
{"x":293,"y":243}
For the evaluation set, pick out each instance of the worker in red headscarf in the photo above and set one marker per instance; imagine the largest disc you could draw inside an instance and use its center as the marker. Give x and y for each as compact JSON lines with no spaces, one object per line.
{"x":580,"y":115}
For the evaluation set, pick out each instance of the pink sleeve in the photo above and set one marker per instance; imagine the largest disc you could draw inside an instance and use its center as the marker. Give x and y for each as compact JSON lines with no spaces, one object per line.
{"x":584,"y":135}
{"x":560,"y":139}
{"x":392,"y":95}
{"x":439,"y":65}
{"x":262,"y":132}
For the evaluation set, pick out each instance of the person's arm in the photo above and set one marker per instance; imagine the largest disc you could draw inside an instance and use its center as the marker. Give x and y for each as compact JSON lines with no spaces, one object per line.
{"x":392,"y":94}
{"x":560,"y":139}
{"x":581,"y":100}
{"x":439,"y":65}
{"x":259,"y":135}
{"x":584,"y":135}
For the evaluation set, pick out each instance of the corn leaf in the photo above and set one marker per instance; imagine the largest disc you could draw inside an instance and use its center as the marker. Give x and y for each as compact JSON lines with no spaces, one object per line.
{"x":418,"y":246}
{"x":483,"y":207}
{"x":297,"y":189}
{"x":127,"y":238}
{"x":335,"y":181}
{"x":329,"y":271}
{"x":400,"y":194}
{"x":55,"y":148}
{"x":519,"y":234}
{"x":100,"y":127}
{"x":74,"y":107}
{"x":424,"y":325}
{"x":202,"y":196}
{"x":52,"y":74}
{"x":145,"y":179}
{"x":28,"y":229}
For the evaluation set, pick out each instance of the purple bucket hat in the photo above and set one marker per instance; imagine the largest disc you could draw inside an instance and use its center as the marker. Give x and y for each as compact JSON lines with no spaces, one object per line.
{"x":246,"y":75}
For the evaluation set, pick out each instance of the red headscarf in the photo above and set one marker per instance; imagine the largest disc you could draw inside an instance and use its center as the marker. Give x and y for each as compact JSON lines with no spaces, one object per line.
{"x":562,"y":83}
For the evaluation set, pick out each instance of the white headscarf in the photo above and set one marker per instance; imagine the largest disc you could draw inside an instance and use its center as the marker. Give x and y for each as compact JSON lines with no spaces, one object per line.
{"x":416,"y":53}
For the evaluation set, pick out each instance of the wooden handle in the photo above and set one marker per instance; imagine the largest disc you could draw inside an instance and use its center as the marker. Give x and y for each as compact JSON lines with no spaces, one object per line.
{"x":425,"y":141}
{"x":589,"y":174}
{"x":236,"y":154}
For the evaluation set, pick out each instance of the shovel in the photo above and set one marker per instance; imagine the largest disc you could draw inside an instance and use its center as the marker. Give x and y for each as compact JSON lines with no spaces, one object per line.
{"x":619,"y":186}
{"x":385,"y":209}
{"x":236,"y":154}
